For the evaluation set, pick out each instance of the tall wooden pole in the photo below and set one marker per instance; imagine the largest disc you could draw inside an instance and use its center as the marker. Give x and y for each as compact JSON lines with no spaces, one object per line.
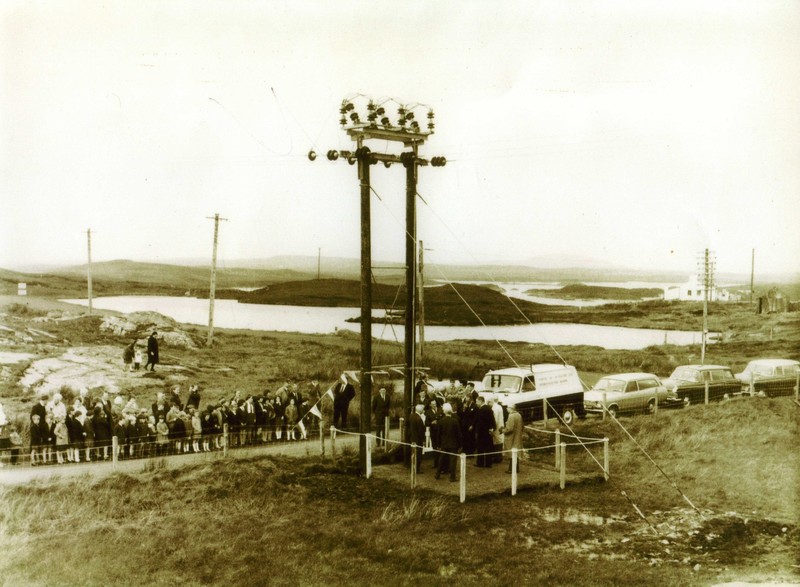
{"x":363,"y":156}
{"x":421,"y":298}
{"x":410,"y":163}
{"x":89,"y":268}
{"x":752,"y":273}
{"x":706,"y":286}
{"x":213,"y":286}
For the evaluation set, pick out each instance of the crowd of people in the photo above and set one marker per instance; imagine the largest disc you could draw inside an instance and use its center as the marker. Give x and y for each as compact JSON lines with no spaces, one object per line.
{"x":459,"y":420}
{"x":444,"y":421}
{"x":83,"y":431}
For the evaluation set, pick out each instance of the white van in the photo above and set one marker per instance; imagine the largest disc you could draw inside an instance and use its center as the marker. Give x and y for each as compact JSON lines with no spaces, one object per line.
{"x":527,"y":387}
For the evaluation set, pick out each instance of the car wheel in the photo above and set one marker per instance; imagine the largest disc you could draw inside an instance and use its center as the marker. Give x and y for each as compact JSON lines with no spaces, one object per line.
{"x":613,"y":411}
{"x":568,"y":416}
{"x":651,"y":406}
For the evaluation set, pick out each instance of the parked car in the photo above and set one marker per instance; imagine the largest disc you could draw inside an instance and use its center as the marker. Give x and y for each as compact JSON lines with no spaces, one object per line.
{"x":629,"y":392}
{"x":689,"y":383}
{"x":770,"y":377}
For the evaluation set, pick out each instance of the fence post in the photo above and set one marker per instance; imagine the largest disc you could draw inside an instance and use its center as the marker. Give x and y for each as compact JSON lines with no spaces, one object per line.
{"x":557,"y":447}
{"x":333,"y":442}
{"x":368,"y":444}
{"x":563,"y":475}
{"x":514,"y":461}
{"x":544,"y":411}
{"x":413,"y":465}
{"x":797,"y":387}
{"x":605,"y":404}
{"x":321,"y":437}
{"x":655,"y":405}
{"x":752,"y":384}
{"x":225,"y":439}
{"x":114,"y":449}
{"x":462,"y":489}
{"x":706,"y":392}
{"x":605,"y":459}
{"x":386,"y":432}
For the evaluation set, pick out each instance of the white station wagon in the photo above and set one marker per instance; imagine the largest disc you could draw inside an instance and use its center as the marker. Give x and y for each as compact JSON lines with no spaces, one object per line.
{"x":628,"y":392}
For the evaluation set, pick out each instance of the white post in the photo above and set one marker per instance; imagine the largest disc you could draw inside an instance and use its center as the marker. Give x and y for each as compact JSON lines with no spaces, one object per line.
{"x":333,"y":442}
{"x":605,"y":459}
{"x":557,"y":448}
{"x":544,"y":411}
{"x":225,"y":439}
{"x":655,"y":405}
{"x":413,"y":465}
{"x":114,"y":449}
{"x":752,"y":384}
{"x":321,"y":437}
{"x":605,"y":404}
{"x":368,"y":468}
{"x":563,"y":475}
{"x":797,"y":387}
{"x":386,"y":432}
{"x":462,"y":490}
{"x":706,"y":391}
{"x":514,"y":458}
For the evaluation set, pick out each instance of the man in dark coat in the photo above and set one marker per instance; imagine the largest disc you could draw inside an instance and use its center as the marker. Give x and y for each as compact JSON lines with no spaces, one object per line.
{"x":467,"y":417}
{"x":449,"y":441}
{"x":484,"y":426}
{"x":380,"y":408}
{"x":416,"y":432}
{"x":343,"y":393}
{"x":152,"y":351}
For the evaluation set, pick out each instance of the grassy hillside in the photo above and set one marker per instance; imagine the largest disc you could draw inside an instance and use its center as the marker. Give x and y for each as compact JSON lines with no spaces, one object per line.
{"x":580,"y":291}
{"x":272,"y":520}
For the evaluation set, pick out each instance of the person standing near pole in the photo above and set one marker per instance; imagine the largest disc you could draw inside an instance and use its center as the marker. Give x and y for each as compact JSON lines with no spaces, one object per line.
{"x":380,"y":407}
{"x":513,"y":434}
{"x":449,"y":442}
{"x":152,"y":352}
{"x":416,"y":432}
{"x":484,"y":426}
{"x":343,"y":393}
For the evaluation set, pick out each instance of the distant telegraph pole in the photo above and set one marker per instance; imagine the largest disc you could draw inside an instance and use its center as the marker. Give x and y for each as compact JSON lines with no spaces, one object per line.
{"x":319,"y":258}
{"x":752,"y":273}
{"x":706,"y":277}
{"x":89,"y":267}
{"x":213,"y":287}
{"x":373,"y":123}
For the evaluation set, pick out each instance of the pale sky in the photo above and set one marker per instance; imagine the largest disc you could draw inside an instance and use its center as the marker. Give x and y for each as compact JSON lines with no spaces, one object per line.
{"x":630,"y":132}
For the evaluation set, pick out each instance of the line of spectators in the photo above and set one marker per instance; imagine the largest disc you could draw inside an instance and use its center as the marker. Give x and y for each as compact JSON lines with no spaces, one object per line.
{"x":83,"y":432}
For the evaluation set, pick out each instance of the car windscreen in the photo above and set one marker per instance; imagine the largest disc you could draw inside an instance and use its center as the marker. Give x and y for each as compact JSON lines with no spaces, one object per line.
{"x":608,"y":384}
{"x":685,"y":374}
{"x":509,"y":383}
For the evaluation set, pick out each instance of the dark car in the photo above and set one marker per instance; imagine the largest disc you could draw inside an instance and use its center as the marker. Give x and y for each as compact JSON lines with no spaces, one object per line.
{"x":770,"y":377}
{"x":689,"y":383}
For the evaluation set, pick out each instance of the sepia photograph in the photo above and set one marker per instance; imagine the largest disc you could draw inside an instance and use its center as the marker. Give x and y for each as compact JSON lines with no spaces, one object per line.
{"x":422,"y":293}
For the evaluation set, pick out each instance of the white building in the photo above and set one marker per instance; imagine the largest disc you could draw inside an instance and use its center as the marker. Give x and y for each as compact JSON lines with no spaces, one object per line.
{"x":694,"y":291}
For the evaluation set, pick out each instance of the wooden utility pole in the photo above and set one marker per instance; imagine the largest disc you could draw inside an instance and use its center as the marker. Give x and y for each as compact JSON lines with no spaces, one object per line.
{"x":89,"y":268}
{"x":213,"y":287}
{"x":363,"y":155}
{"x":410,"y":163}
{"x":708,"y":285}
{"x":421,"y":298}
{"x":752,"y":273}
